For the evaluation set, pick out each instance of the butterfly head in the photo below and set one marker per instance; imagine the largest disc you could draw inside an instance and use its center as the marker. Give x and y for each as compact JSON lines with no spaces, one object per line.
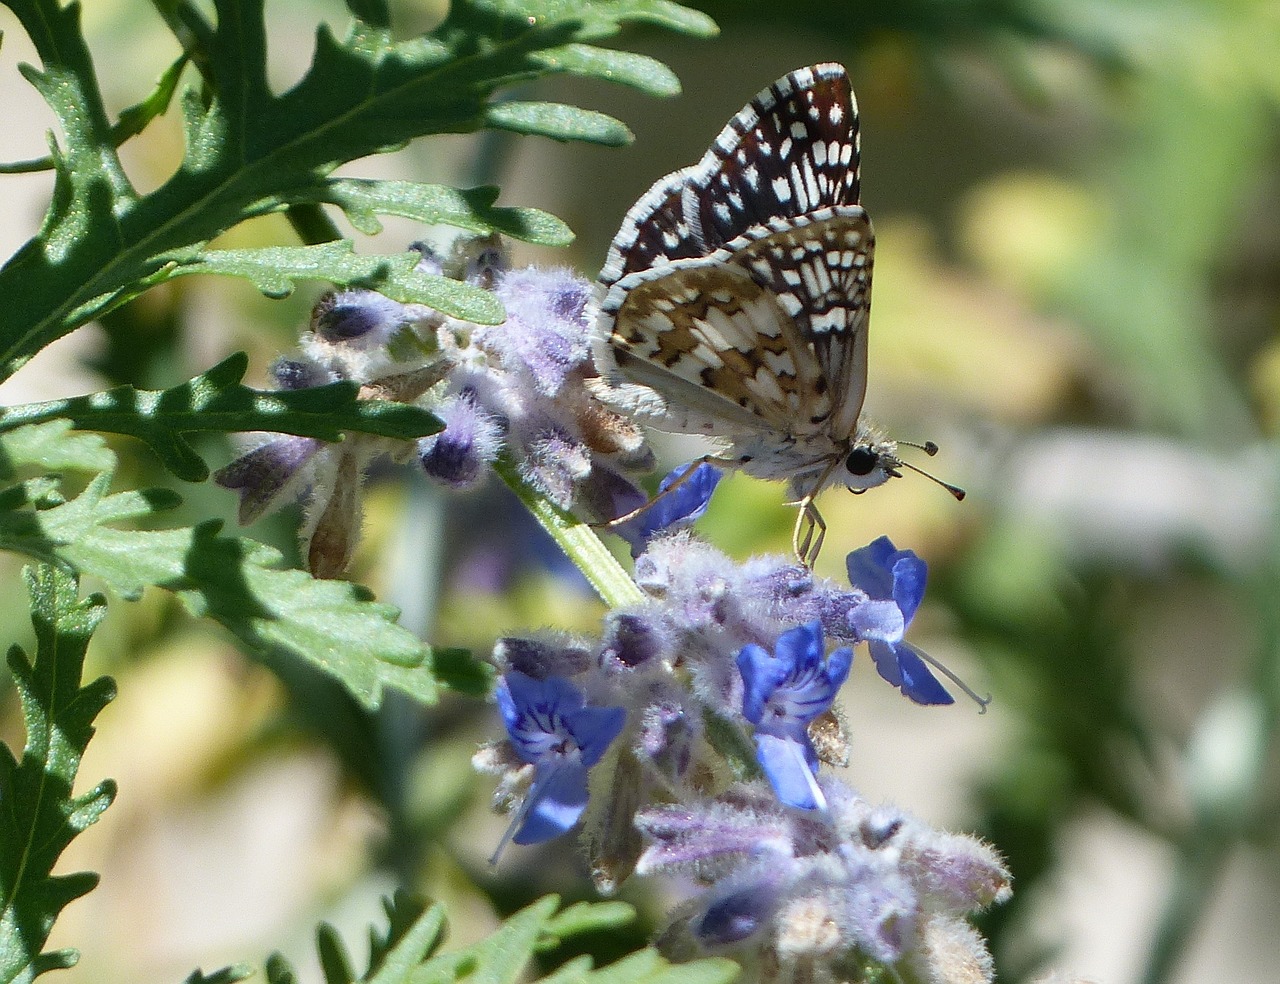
{"x":871,"y":461}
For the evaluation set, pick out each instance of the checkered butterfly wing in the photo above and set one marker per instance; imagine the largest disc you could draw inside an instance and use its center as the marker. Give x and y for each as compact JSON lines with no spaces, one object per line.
{"x":735,"y":296}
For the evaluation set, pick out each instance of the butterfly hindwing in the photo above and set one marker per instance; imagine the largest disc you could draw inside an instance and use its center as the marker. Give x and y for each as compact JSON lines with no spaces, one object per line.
{"x":818,"y":267}
{"x":708,"y":334}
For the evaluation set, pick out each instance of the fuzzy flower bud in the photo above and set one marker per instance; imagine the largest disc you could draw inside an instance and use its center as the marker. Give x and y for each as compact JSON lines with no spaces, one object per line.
{"x":471,"y":440}
{"x":268,"y":475}
{"x":361,"y":318}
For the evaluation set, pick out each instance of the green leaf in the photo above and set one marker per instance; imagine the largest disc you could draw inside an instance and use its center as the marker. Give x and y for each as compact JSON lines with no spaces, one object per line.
{"x":250,"y":151}
{"x":51,"y":447}
{"x":503,"y":957}
{"x":413,"y":932}
{"x":41,"y":815}
{"x":589,"y":917}
{"x":559,"y":122}
{"x":472,"y":210}
{"x":276,"y":270}
{"x":276,"y":613}
{"x":638,"y":71}
{"x":406,"y":952}
{"x":132,"y":120}
{"x":217,"y":401}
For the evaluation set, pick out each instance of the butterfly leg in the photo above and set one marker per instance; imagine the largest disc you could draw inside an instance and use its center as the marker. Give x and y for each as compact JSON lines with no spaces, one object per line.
{"x":809,"y":532}
{"x":688,"y":474}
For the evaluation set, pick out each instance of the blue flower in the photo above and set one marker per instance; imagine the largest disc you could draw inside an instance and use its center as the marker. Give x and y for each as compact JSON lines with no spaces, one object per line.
{"x":894,"y":581}
{"x":784,"y":691}
{"x":675,"y":509}
{"x":553,"y":729}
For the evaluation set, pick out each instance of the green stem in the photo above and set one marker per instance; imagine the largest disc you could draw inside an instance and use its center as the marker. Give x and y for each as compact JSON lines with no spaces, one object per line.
{"x":1196,"y":873}
{"x":576,"y":539}
{"x":312,"y":225}
{"x":1235,"y":739}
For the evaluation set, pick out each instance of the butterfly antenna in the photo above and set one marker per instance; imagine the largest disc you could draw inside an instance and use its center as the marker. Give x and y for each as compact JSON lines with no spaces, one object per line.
{"x":929,"y":448}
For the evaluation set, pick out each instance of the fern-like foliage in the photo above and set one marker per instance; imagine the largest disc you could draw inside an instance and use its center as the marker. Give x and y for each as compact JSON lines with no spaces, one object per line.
{"x":275,"y":613}
{"x":406,"y":951}
{"x":217,"y":401}
{"x":39,"y":811}
{"x":250,"y":151}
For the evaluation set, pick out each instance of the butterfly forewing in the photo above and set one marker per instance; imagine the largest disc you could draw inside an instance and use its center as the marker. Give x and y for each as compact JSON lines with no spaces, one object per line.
{"x":734,"y":300}
{"x":655,"y":231}
{"x":791,"y":150}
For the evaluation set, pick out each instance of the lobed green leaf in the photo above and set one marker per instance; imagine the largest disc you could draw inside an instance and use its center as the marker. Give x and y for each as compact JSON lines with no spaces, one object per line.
{"x":217,"y":401}
{"x":276,"y":271}
{"x":471,"y":209}
{"x":41,"y":815}
{"x":250,"y":152}
{"x":275,"y":613}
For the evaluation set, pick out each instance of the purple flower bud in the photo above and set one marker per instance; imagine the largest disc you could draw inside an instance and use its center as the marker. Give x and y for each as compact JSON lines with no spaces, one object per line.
{"x":666,"y":734}
{"x":548,"y":656}
{"x":700,"y":585}
{"x":699,"y":836}
{"x":544,"y":337}
{"x":361,"y":318}
{"x":880,"y":910}
{"x":555,"y":462}
{"x":735,"y":916}
{"x":268,"y":475}
{"x":954,"y":871}
{"x":784,"y":691}
{"x":633,"y":639}
{"x":471,"y":439}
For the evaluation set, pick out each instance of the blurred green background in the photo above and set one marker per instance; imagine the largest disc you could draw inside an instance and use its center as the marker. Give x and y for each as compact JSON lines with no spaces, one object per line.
{"x":1077,"y":292}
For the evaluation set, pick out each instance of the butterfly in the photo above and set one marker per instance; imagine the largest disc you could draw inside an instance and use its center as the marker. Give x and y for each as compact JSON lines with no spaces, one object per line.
{"x":734,"y":300}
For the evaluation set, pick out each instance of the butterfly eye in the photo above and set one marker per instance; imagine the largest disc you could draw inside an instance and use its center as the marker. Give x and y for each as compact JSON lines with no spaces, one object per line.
{"x":862,"y":461}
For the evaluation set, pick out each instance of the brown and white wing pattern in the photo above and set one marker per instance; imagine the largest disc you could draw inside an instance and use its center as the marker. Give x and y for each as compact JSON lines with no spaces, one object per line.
{"x":734,"y":299}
